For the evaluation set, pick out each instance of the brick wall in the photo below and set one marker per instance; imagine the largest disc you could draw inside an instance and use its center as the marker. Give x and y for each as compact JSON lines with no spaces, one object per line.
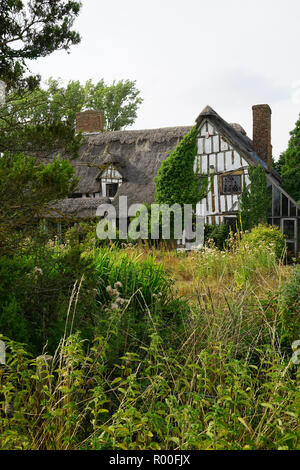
{"x":89,"y":121}
{"x":262,"y":132}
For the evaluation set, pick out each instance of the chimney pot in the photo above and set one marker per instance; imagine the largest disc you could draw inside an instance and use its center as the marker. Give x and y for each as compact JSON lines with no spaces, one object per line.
{"x":262,"y":132}
{"x":89,"y":121}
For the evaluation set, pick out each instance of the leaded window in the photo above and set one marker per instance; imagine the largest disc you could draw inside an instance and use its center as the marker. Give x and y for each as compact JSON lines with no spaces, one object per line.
{"x":231,"y":184}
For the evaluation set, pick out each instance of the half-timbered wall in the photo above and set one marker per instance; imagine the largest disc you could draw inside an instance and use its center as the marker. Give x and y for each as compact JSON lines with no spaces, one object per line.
{"x":216,"y":157}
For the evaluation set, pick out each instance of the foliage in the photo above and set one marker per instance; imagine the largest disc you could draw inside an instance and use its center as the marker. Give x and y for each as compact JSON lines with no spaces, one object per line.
{"x":290,"y":168}
{"x":30,"y":30}
{"x":255,"y":203}
{"x":269,"y":237}
{"x":26,"y":188}
{"x":198,"y":396}
{"x":118,"y":101}
{"x":277,"y":165}
{"x":49,"y":114}
{"x":134,"y":367}
{"x":176,"y":181}
{"x":218,"y":233}
{"x":290,"y":305}
{"x":35,"y":291}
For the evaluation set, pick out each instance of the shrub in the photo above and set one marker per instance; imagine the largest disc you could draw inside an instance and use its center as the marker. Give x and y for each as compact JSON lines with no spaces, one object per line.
{"x":35,"y":293}
{"x":218,"y":233}
{"x":267,"y":236}
{"x":290,"y":306}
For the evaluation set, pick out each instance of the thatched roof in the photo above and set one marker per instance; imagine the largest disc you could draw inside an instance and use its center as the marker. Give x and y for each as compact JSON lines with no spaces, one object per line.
{"x":77,"y":208}
{"x":137,"y":155}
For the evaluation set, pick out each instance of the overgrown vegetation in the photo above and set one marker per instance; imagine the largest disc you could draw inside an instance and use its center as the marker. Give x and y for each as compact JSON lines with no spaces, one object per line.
{"x":288,"y":165}
{"x":256,"y":201}
{"x":176,"y":181}
{"x":151,"y":349}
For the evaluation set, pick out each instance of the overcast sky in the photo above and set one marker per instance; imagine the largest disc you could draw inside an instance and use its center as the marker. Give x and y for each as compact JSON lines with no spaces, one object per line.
{"x":184,"y":55}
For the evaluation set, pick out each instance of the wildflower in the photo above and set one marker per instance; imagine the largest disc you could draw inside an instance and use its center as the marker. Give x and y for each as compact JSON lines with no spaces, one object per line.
{"x":112,"y":292}
{"x":118,"y":284}
{"x":120,"y":301}
{"x":38,"y":271}
{"x":114,"y":306}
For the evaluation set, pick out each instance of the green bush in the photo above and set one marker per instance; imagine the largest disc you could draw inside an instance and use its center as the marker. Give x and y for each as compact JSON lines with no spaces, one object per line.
{"x":267,"y":236}
{"x":290,"y":306}
{"x":35,"y":292}
{"x":218,"y":233}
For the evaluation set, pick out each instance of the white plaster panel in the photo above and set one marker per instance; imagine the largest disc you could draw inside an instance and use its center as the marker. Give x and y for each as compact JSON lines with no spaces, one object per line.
{"x":203,"y":130}
{"x":204,"y":164}
{"x":210,"y":129}
{"x":222,"y":198}
{"x":220,"y":161}
{"x":216,"y":144}
{"x":201,"y":145}
{"x":212,"y":162}
{"x":228,"y":161}
{"x":208,"y":145}
{"x":224,"y":145}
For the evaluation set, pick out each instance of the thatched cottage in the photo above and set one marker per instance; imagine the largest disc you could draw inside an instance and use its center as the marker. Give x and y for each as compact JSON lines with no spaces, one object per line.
{"x":113,"y":164}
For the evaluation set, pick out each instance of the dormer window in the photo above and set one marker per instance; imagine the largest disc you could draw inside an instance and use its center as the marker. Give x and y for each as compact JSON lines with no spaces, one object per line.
{"x":111,"y":179}
{"x":111,"y":189}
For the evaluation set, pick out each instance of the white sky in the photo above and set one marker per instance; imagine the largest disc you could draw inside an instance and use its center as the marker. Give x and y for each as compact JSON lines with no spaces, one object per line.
{"x":184,"y":55}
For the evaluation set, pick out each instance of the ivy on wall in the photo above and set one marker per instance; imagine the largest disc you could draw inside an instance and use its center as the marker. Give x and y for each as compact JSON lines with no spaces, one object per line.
{"x":255,"y":203}
{"x":176,"y":181}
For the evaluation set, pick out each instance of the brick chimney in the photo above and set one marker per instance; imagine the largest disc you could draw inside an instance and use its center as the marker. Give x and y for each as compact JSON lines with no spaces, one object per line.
{"x":89,"y":121}
{"x":262,"y":132}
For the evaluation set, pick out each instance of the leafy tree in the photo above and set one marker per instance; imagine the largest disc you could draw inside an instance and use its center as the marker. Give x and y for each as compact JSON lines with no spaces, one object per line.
{"x":255,"y":203}
{"x":290,"y":169}
{"x":118,"y":101}
{"x":44,"y":119}
{"x":279,"y":164}
{"x":176,"y":181}
{"x":26,"y":188}
{"x":30,"y":122}
{"x":32,"y":29}
{"x":28,"y":30}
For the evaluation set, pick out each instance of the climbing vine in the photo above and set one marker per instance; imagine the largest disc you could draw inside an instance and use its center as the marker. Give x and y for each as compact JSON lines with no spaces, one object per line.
{"x":176,"y":181}
{"x":255,"y":203}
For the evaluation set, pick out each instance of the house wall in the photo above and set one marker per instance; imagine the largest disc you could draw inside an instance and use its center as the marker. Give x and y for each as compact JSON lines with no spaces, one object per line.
{"x":217,"y":157}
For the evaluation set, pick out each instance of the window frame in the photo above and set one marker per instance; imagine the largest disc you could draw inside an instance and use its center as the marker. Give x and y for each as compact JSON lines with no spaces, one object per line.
{"x":107,"y":189}
{"x":226,"y":175}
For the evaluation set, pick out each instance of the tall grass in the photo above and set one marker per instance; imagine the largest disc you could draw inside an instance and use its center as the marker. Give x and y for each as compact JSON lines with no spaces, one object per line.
{"x":218,"y":379}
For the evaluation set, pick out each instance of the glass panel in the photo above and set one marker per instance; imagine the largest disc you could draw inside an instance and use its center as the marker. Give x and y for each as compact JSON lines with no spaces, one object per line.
{"x":270,"y":221}
{"x":289,"y":229}
{"x":269,"y":190}
{"x":232,"y":184}
{"x":276,"y":202}
{"x":290,"y":246}
{"x":285,"y":206}
{"x":111,"y":189}
{"x":292,"y":209}
{"x":232,"y":222}
{"x":236,"y":184}
{"x":226,"y":184}
{"x":276,"y":222}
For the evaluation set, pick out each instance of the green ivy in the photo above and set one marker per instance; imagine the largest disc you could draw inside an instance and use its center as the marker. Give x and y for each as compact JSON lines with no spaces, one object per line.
{"x":176,"y":181}
{"x":255,"y":203}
